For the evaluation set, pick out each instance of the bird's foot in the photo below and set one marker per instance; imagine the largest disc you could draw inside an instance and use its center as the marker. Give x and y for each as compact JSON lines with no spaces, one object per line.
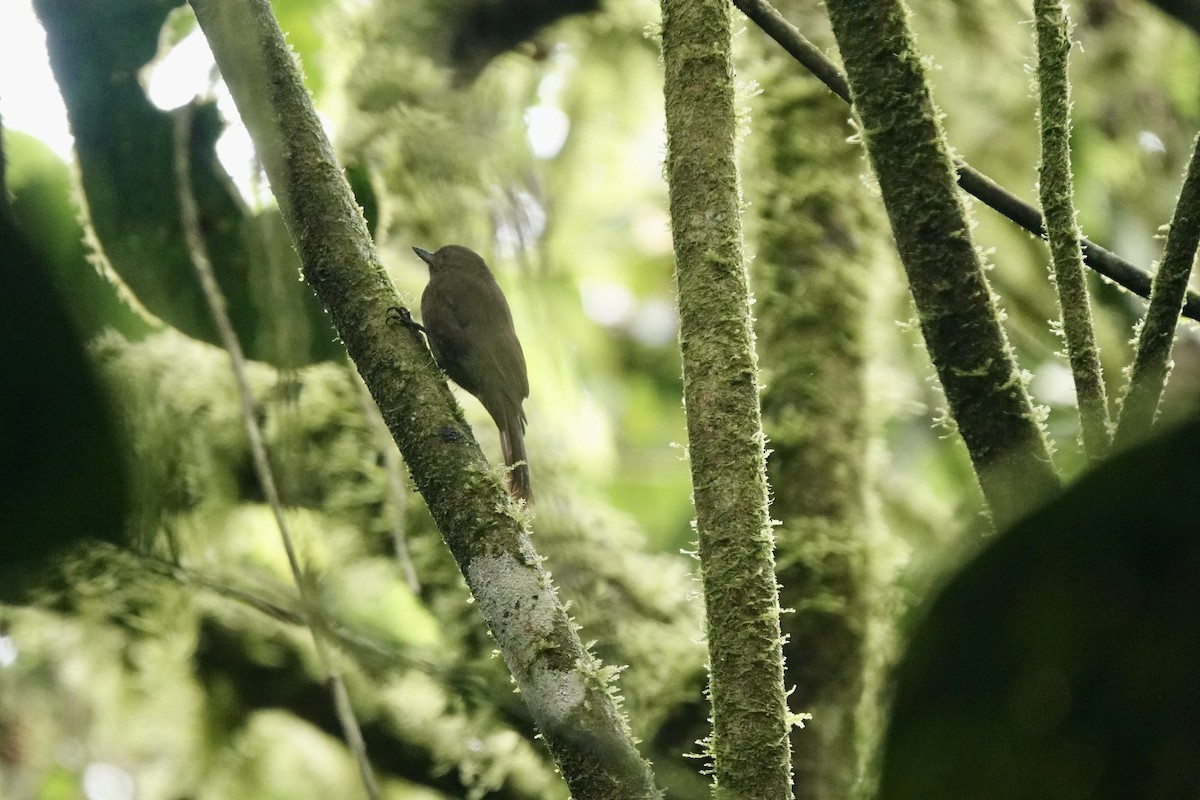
{"x":404,"y":317}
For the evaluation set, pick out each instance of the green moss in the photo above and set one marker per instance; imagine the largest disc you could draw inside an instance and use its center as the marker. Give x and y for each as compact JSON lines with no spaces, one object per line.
{"x":1062,"y":231}
{"x":958,"y":317}
{"x":749,"y":740}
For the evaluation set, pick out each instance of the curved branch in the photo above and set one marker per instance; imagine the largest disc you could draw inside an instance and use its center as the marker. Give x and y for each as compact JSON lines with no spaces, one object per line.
{"x":972,"y":181}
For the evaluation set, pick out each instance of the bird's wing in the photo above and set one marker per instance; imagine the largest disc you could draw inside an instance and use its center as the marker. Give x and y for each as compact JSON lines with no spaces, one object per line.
{"x":504,"y":357}
{"x":482,"y":353}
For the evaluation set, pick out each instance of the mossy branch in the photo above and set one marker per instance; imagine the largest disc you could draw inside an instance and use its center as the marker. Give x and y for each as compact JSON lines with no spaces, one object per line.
{"x":972,"y":181}
{"x":1062,"y":229}
{"x":1152,"y":363}
{"x":820,"y":242}
{"x":751,"y":756}
{"x":569,"y":698}
{"x":959,"y":319}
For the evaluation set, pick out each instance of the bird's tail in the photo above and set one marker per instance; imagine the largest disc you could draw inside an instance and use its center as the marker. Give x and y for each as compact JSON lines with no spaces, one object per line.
{"x":512,"y":445}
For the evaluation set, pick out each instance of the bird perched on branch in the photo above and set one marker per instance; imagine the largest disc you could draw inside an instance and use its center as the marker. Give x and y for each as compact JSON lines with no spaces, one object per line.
{"x":470,"y":331}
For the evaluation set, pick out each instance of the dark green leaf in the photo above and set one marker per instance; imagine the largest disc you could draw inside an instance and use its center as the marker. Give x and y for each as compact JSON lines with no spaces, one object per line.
{"x":62,"y":476}
{"x":125,"y":148}
{"x":1064,"y":661}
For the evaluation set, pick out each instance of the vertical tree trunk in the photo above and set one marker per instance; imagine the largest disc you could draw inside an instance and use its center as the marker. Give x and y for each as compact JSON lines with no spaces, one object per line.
{"x":817,"y":247}
{"x":720,"y":381}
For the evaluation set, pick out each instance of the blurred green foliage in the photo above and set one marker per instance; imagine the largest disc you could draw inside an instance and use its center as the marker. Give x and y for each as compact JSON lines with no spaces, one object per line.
{"x":125,"y":149}
{"x":173,"y":653}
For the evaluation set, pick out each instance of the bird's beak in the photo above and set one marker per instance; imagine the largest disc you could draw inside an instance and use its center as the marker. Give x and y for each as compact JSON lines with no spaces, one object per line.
{"x":425,"y":255}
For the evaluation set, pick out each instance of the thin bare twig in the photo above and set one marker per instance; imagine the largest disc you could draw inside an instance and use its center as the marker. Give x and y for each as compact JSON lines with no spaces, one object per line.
{"x":215,"y":300}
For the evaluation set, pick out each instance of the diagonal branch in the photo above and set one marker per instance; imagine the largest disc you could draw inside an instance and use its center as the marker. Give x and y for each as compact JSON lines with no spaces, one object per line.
{"x":959,"y":318}
{"x":190,"y":213}
{"x":1152,"y":362}
{"x":972,"y":181}
{"x":570,"y":695}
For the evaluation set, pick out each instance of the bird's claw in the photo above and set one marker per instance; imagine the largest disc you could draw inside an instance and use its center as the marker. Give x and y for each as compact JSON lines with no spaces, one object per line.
{"x":404,"y":317}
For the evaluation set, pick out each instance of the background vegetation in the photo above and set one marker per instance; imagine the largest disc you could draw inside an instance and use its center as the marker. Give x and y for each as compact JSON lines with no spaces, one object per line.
{"x":152,"y":636}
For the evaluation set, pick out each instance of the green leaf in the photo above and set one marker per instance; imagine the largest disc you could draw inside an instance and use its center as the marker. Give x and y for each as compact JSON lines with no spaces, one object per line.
{"x":1064,"y":661}
{"x":62,"y":475}
{"x":43,"y":208}
{"x":125,"y":148}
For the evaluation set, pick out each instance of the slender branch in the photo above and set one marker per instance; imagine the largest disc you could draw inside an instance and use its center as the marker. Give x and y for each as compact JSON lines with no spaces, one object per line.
{"x":570,"y":696}
{"x":749,"y":743}
{"x":974,"y":182}
{"x":1152,"y":362}
{"x":190,"y":214}
{"x":1062,"y":230}
{"x":958,"y":316}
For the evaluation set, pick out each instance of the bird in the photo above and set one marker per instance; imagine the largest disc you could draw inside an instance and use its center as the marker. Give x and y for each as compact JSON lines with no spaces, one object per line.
{"x":470,"y":331}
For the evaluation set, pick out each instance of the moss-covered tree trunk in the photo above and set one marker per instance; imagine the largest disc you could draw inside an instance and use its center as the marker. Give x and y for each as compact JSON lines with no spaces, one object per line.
{"x":720,"y":380}
{"x":1062,"y":231}
{"x":1156,"y":336}
{"x":817,"y":245}
{"x":960,"y":321}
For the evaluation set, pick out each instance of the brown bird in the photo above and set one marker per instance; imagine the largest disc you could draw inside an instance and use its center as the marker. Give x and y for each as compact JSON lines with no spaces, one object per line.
{"x":470,"y":331}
